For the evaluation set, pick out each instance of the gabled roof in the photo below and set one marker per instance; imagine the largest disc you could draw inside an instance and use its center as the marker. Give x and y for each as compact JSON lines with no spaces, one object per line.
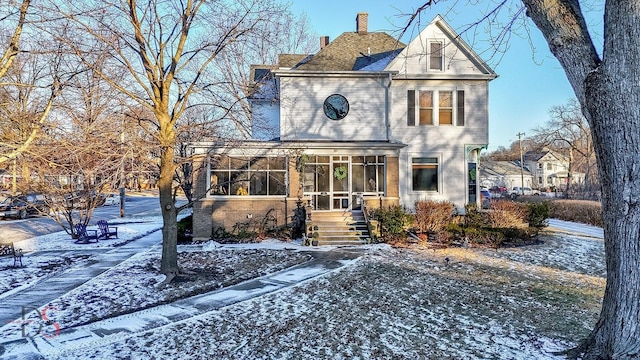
{"x":501,"y":168}
{"x":291,"y":60}
{"x":352,"y":51}
{"x":537,"y":156}
{"x":454,"y":45}
{"x":375,"y":62}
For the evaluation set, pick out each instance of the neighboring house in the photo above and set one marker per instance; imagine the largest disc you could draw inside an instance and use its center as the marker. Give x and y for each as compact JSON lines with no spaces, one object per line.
{"x":367,"y":118}
{"x":550,"y":170}
{"x":507,"y":174}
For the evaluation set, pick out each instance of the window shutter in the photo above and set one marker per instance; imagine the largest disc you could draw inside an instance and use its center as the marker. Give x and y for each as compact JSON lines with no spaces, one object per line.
{"x":460,"y":116}
{"x":411,"y":108}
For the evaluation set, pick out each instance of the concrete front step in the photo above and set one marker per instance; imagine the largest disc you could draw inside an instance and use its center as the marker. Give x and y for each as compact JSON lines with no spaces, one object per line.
{"x":339,"y":228}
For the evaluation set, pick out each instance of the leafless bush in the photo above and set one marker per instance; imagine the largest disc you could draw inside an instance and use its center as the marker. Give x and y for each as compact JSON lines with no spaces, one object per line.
{"x":582,"y":211}
{"x":433,"y":216}
{"x":507,"y":214}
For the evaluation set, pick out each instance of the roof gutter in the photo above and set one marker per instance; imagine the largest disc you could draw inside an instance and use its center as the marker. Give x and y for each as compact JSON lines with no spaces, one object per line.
{"x":332,"y":74}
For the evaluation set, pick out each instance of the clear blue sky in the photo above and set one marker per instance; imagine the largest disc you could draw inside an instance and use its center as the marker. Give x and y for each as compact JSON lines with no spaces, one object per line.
{"x":529,"y":82}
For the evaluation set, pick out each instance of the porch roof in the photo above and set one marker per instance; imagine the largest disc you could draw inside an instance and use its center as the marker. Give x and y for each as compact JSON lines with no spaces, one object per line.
{"x":275,"y":146}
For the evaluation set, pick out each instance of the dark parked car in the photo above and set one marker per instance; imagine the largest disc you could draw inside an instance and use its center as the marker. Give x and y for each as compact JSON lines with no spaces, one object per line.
{"x":37,"y":203}
{"x":21,"y":206}
{"x":13,"y":207}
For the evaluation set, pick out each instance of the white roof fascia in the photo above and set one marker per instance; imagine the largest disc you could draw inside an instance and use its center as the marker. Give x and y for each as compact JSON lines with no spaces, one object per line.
{"x":456,"y":40}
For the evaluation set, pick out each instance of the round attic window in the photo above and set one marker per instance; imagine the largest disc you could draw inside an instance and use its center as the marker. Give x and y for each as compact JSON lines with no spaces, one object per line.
{"x":336,"y":107}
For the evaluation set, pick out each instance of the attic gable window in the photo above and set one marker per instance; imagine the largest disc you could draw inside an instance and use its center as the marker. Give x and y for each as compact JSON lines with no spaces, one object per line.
{"x":436,"y":55}
{"x":435,"y":108}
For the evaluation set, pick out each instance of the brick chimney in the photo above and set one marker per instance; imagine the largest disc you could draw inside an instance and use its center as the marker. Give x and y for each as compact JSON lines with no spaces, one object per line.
{"x":361,"y":23}
{"x":324,"y":41}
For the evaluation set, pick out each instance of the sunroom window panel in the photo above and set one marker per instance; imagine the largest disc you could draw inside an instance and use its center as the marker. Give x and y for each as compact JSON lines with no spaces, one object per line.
{"x":239,"y":183}
{"x":277,"y":185}
{"x":258,"y":183}
{"x":219,"y":183}
{"x":259,"y":163}
{"x":238,"y":164}
{"x":277,"y":163}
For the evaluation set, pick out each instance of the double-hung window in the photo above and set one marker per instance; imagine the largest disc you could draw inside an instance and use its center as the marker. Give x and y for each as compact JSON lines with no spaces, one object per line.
{"x":436,"y":57}
{"x":435,"y":107}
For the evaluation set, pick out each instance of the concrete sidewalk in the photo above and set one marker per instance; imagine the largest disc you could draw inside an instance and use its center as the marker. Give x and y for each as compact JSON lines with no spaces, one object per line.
{"x":108,"y":330}
{"x":53,"y":287}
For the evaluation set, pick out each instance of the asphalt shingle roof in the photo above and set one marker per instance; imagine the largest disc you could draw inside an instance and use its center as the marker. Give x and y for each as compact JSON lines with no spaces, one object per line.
{"x":352,"y":51}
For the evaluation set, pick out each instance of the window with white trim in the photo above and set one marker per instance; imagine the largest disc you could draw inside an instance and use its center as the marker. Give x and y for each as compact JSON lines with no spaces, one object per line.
{"x":246,"y":175}
{"x":435,"y":107}
{"x":436,"y":52}
{"x":424,"y":174}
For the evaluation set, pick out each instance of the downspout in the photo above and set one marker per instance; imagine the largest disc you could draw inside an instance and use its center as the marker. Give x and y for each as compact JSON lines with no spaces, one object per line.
{"x":388,"y":108}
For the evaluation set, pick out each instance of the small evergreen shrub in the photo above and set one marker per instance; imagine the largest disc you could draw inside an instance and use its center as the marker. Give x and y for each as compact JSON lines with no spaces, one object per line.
{"x":517,"y":234}
{"x":485,"y":237}
{"x":185,"y":229}
{"x":475,"y":218}
{"x":538,"y":214}
{"x":393,"y":222}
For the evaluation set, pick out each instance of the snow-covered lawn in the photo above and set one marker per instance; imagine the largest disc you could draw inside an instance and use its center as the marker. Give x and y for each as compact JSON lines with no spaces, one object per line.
{"x":411,"y":303}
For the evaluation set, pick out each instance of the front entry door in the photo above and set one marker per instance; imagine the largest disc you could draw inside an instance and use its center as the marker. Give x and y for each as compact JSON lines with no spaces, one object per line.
{"x":334,"y":183}
{"x":340,"y":184}
{"x":326,"y":182}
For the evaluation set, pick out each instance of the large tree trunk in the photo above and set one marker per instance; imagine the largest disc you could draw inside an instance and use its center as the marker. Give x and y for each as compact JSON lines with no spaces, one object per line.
{"x":167,"y":137}
{"x":613,"y":98}
{"x":609,"y":92}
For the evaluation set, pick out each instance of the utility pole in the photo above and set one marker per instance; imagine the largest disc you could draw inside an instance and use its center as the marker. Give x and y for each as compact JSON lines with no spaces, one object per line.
{"x":520,"y":135}
{"x":122,"y":177}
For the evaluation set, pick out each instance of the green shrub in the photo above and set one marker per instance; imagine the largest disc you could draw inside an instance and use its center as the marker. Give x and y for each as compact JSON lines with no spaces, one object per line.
{"x":432,"y":216}
{"x":519,"y":233}
{"x":185,"y":229}
{"x":539,"y":214}
{"x":474,"y":217}
{"x":484,"y":237}
{"x":393,"y":221}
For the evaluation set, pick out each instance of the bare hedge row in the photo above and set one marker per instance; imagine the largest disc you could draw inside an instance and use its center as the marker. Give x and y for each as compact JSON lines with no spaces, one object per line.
{"x":582,"y":211}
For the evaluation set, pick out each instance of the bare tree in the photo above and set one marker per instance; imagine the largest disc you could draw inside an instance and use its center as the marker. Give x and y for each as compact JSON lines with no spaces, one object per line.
{"x":283,"y":34}
{"x":73,"y":166}
{"x":606,"y":86}
{"x":29,"y":87}
{"x":568,"y":131}
{"x":167,"y":49}
{"x":13,"y":47}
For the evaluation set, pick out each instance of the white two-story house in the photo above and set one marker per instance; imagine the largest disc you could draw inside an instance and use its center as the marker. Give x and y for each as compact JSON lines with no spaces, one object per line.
{"x":551,"y":169}
{"x":365,"y":119}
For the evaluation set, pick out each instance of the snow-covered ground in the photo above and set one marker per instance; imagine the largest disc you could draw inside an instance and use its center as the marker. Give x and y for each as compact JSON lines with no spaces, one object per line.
{"x":412,"y":303}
